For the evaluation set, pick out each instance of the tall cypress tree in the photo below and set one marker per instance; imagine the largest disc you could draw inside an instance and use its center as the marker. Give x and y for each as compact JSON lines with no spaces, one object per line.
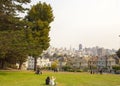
{"x":40,"y":16}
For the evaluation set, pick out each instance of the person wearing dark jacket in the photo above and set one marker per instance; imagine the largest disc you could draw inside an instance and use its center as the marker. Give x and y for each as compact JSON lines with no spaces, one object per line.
{"x":47,"y":81}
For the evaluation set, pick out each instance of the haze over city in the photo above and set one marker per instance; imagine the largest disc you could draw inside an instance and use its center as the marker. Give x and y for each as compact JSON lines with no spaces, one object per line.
{"x":89,"y":22}
{"x":60,"y":42}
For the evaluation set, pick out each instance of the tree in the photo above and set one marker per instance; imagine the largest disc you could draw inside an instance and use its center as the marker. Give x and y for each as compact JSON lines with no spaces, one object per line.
{"x":118,"y":53}
{"x":13,"y":46}
{"x":12,"y":36}
{"x":4,"y":47}
{"x":39,"y":17}
{"x":9,"y":10}
{"x":54,"y":65}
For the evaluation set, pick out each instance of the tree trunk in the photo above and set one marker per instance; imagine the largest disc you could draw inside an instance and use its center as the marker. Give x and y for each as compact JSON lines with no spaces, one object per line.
{"x":2,"y":64}
{"x":35,"y":64}
{"x":20,"y":66}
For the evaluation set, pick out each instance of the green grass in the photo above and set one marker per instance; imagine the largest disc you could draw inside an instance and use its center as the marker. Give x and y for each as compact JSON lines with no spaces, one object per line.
{"x":28,"y":78}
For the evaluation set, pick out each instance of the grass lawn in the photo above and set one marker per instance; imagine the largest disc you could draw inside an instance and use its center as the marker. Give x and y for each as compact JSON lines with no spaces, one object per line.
{"x":28,"y":78}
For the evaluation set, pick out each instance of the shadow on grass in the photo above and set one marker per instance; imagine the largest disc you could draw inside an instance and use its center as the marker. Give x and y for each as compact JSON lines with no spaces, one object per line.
{"x":44,"y":85}
{"x":3,"y":73}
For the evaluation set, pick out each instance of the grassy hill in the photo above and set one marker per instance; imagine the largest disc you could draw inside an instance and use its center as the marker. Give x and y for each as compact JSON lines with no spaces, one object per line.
{"x":28,"y":78}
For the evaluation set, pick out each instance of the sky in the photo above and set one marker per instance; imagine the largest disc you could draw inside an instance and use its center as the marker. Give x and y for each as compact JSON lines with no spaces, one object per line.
{"x":87,"y":22}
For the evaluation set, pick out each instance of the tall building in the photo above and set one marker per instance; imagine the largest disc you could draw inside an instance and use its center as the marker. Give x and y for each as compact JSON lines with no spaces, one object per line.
{"x":101,"y":52}
{"x":80,"y":46}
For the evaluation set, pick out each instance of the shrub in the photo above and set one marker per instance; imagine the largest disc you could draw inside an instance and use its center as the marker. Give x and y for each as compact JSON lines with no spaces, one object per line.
{"x":66,"y":68}
{"x":116,"y":67}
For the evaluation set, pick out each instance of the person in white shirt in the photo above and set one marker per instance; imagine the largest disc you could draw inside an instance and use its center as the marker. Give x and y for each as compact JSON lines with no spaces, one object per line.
{"x":52,"y":81}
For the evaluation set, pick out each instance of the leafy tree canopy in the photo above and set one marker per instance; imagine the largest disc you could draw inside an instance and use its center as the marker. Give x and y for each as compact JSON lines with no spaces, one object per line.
{"x":39,"y":18}
{"x":9,"y":10}
{"x":118,"y":53}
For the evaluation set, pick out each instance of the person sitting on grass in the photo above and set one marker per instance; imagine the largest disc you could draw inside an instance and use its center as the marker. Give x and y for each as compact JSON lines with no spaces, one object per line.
{"x":38,"y":71}
{"x":52,"y":81}
{"x":47,"y":80}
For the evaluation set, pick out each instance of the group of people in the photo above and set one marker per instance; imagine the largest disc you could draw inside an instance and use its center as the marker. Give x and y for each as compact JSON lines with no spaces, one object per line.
{"x":50,"y":81}
{"x":96,"y":71}
{"x":38,"y":71}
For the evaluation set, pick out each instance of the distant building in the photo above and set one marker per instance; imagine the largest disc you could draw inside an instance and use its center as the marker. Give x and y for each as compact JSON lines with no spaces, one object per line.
{"x":80,"y":46}
{"x":41,"y":62}
{"x":106,"y":62}
{"x":80,"y":62}
{"x":92,"y":63}
{"x":101,"y":52}
{"x":30,"y":62}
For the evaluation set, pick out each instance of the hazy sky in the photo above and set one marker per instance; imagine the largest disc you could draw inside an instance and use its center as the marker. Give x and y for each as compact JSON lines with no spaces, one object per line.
{"x":89,"y":22}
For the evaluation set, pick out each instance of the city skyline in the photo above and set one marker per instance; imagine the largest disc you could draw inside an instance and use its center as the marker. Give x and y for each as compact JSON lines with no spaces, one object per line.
{"x":89,"y":22}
